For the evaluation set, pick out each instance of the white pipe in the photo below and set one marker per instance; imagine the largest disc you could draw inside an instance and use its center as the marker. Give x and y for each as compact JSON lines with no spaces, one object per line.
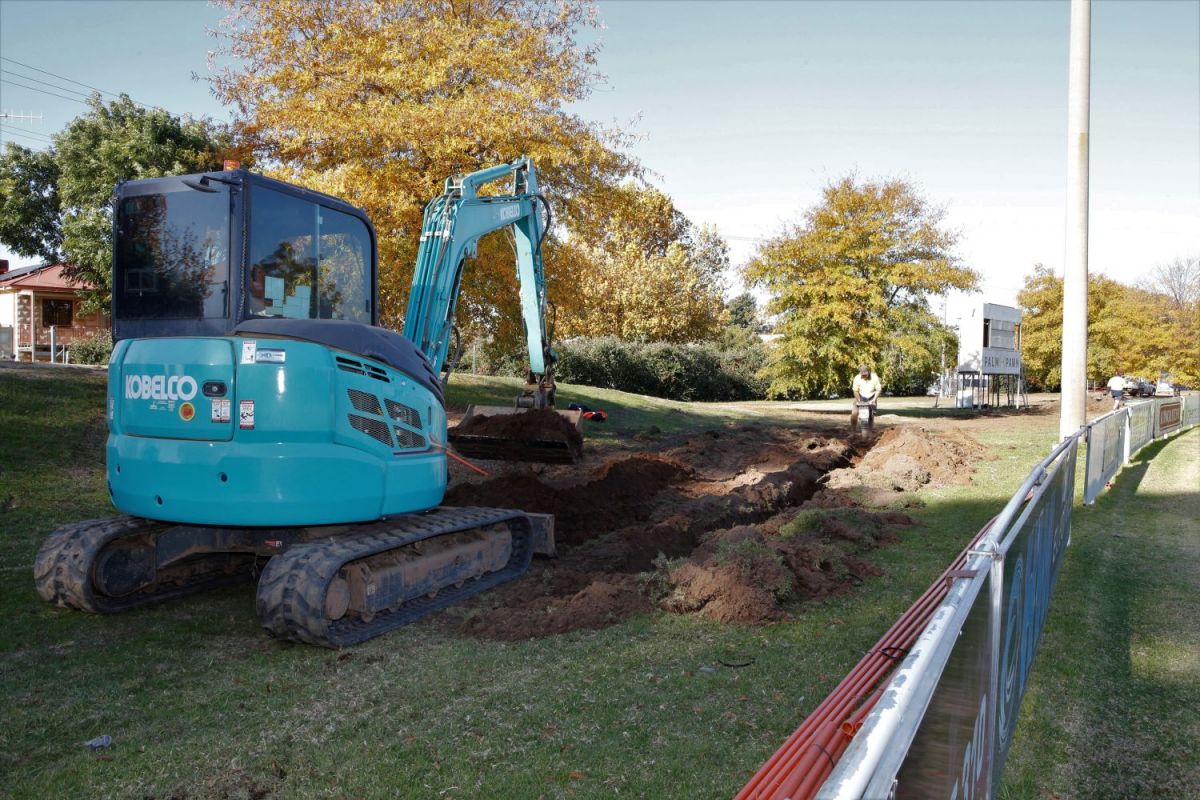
{"x":1075,"y":269}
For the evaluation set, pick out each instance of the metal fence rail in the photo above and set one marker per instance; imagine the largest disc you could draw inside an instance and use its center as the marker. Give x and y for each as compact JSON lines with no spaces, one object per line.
{"x":946,"y":717}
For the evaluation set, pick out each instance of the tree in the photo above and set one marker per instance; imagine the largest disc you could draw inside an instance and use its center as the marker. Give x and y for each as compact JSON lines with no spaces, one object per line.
{"x":30,"y":211}
{"x":851,"y":282}
{"x":56,"y":202}
{"x":652,"y":276}
{"x":743,"y":311}
{"x":1179,"y":280}
{"x":1041,"y":301}
{"x":1129,"y":329}
{"x":379,"y":102}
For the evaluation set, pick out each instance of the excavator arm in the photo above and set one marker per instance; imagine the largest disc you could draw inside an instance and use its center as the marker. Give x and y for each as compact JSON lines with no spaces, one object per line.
{"x":450,"y":233}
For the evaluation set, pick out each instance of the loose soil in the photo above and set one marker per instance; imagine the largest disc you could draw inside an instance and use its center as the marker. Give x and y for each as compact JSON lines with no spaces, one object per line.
{"x":737,"y":525}
{"x":524,"y":427}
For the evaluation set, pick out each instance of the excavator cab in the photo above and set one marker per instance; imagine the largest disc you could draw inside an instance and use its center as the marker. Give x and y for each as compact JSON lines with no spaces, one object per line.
{"x":200,"y":255}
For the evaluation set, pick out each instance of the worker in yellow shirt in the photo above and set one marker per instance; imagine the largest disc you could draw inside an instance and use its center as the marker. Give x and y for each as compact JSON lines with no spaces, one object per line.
{"x":866,"y":388}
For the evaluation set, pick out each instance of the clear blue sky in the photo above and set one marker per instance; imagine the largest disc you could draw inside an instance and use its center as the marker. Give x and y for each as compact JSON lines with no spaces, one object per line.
{"x":746,"y":109}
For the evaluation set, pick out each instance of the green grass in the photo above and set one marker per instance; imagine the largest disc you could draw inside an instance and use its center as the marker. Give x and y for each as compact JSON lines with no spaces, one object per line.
{"x":1113,"y":706}
{"x":202,"y":703}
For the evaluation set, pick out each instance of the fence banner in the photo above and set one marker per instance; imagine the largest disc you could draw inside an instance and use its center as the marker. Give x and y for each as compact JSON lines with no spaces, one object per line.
{"x":950,"y":756}
{"x":1105,"y":453}
{"x":1026,"y":567}
{"x":1191,"y":410}
{"x":1141,"y":425}
{"x":1169,"y":416}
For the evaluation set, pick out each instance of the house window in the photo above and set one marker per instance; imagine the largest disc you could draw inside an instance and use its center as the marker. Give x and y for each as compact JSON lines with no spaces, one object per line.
{"x":57,"y":313}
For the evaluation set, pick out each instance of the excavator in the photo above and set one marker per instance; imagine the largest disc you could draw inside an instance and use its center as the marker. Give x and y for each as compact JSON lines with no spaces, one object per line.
{"x":257,"y":412}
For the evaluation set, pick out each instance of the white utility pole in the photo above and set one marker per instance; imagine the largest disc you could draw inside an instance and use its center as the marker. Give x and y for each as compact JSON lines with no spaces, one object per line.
{"x":1075,"y":272}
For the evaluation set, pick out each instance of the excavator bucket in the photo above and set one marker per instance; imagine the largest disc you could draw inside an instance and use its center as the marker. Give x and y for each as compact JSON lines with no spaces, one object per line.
{"x":505,"y":433}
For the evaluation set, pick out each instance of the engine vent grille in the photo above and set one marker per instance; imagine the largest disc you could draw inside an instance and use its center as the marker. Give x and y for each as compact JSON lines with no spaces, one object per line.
{"x":362,"y":368}
{"x":376,"y":429}
{"x":365,"y":402}
{"x":407,"y":440}
{"x":403,"y":413}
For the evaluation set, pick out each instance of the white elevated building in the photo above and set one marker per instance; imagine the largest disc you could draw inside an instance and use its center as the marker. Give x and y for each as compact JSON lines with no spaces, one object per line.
{"x":989,"y":371}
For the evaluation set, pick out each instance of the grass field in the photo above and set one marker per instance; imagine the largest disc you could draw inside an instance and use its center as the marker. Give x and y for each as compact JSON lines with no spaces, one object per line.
{"x":1113,"y":707}
{"x":201,"y":703}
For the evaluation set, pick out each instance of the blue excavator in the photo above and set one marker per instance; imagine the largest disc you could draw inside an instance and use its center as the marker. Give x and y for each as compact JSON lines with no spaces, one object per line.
{"x":262,"y":423}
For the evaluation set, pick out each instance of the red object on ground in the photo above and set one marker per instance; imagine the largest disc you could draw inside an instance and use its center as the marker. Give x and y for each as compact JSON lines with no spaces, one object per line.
{"x":798,"y":768}
{"x":465,"y":462}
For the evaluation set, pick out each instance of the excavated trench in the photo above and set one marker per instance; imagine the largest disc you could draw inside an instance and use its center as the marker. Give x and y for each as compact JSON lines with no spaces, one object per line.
{"x":737,"y":525}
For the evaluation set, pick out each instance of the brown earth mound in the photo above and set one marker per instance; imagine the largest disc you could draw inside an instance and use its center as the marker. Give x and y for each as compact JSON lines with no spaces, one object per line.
{"x":746,"y":574}
{"x":620,"y":493}
{"x":524,"y":427}
{"x":906,"y":458}
{"x":720,"y":525}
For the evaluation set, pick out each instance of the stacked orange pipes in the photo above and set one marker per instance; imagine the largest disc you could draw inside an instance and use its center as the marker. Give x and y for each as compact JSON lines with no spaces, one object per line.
{"x":798,"y":768}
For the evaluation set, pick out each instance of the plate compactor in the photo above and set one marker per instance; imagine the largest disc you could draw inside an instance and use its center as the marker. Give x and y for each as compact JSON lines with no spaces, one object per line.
{"x":256,"y":411}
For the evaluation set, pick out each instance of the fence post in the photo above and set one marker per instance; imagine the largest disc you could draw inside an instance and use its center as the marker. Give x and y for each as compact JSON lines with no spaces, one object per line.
{"x":53,"y":341}
{"x":1128,"y":433}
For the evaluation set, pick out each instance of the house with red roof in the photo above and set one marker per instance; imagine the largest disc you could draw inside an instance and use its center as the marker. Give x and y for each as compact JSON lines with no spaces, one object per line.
{"x":38,"y":304}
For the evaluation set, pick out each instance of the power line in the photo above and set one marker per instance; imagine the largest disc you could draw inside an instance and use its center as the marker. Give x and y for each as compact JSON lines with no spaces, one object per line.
{"x":8,"y":132}
{"x":72,"y":80}
{"x":56,"y":75}
{"x":23,"y":132}
{"x":43,"y":83}
{"x":43,"y":91}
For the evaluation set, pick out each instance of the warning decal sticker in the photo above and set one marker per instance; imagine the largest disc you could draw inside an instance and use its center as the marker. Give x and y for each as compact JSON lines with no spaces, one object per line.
{"x":246,"y":415}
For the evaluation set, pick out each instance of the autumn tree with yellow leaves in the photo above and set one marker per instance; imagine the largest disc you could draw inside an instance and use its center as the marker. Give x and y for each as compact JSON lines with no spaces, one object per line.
{"x":379,"y":101}
{"x":1141,"y":330}
{"x":850,"y":283}
{"x":649,"y":274}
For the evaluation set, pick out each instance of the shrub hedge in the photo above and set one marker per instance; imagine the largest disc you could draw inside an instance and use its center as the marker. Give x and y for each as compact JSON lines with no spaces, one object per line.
{"x":95,"y":349}
{"x":704,"y":372}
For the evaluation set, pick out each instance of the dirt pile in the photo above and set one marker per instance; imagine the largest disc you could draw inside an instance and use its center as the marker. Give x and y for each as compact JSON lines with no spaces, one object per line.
{"x":621,"y":492}
{"x":735,"y":525}
{"x":906,"y":458}
{"x":747,"y":574}
{"x":524,"y":428}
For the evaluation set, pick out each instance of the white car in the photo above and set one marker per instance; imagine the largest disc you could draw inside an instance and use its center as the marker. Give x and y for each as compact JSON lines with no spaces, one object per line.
{"x":1164,"y":389}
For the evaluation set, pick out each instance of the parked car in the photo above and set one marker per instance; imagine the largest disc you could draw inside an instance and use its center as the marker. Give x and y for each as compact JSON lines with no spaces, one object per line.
{"x":1138,"y":387}
{"x":1165,"y":389}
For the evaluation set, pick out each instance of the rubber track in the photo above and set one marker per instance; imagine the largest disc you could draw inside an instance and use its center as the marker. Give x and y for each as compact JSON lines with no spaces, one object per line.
{"x":291,"y":591}
{"x":62,"y":571}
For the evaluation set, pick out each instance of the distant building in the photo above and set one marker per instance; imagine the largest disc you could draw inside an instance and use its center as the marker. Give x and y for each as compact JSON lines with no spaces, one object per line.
{"x":989,"y":371}
{"x":36,"y":302}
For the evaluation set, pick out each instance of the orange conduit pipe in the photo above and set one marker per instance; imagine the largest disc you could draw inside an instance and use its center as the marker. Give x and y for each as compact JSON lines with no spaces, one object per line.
{"x":804,"y":747}
{"x":799,"y":767}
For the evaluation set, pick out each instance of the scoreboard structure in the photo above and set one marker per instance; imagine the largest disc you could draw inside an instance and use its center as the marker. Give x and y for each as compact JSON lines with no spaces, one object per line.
{"x":989,"y":371}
